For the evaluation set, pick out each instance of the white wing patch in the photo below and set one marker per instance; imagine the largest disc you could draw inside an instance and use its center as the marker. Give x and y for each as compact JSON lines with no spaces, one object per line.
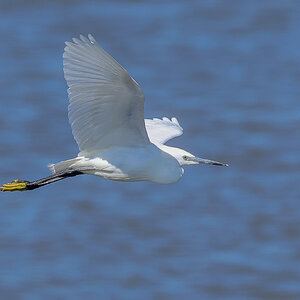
{"x":160,"y":131}
{"x":106,"y":105}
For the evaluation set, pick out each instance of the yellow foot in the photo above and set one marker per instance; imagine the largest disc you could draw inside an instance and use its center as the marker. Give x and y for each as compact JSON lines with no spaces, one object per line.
{"x":16,"y":185}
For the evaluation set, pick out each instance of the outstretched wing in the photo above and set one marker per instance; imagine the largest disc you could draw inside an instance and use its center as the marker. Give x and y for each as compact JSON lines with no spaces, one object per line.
{"x":160,"y":131}
{"x":106,"y":105}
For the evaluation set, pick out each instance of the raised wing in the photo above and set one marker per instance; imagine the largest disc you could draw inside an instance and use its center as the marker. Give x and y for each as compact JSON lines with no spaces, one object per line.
{"x":106,"y":105}
{"x":160,"y":131}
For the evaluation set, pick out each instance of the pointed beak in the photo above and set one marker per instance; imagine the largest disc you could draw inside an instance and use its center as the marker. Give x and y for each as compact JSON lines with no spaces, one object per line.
{"x":207,"y":161}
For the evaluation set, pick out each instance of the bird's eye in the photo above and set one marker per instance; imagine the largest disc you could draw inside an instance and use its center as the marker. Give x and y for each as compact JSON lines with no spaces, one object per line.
{"x":184,"y":157}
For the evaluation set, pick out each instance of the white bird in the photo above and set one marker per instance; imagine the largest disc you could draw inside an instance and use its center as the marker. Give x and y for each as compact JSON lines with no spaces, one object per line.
{"x":106,"y":113}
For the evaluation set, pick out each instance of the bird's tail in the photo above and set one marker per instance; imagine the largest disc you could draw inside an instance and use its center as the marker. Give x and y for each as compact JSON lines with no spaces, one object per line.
{"x":63,"y":165}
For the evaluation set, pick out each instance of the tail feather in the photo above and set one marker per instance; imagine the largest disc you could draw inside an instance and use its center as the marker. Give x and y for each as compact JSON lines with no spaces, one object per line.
{"x":63,"y":165}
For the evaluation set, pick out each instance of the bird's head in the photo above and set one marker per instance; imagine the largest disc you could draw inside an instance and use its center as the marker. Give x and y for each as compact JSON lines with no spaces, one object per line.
{"x":185,"y":158}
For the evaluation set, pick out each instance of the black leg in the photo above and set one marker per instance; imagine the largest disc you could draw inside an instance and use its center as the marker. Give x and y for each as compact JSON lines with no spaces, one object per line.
{"x":22,"y":185}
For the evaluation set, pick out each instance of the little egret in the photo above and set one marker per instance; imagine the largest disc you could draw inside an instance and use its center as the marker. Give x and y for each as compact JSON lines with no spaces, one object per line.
{"x":106,"y":113}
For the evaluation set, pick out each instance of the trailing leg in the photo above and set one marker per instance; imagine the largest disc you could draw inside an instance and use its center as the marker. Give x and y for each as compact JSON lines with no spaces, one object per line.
{"x":23,"y":185}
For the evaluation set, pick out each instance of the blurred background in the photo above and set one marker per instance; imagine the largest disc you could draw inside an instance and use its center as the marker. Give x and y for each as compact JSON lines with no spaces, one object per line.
{"x":229,"y":71}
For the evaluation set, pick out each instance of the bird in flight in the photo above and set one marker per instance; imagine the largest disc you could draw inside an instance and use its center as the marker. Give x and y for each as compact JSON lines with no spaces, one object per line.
{"x":106,"y":113}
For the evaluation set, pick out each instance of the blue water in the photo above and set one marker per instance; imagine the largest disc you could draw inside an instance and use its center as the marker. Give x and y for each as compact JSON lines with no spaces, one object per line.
{"x":229,"y":71}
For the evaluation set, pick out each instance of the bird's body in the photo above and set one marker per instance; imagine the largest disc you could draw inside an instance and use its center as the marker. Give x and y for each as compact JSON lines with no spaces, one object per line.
{"x":147,"y":163}
{"x":106,"y":113}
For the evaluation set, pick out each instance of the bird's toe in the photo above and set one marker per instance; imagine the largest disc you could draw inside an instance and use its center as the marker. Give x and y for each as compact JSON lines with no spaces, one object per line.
{"x":16,"y":185}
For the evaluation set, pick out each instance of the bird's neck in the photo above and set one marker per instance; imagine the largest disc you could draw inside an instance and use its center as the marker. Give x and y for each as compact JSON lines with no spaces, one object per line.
{"x":168,"y":149}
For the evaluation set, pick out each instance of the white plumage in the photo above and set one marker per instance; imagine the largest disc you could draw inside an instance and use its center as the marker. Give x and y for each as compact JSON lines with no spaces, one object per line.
{"x":106,"y":105}
{"x":160,"y":131}
{"x":106,"y":113}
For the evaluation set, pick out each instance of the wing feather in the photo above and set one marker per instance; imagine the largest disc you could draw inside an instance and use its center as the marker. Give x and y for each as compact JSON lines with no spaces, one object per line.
{"x":106,"y":105}
{"x":162,"y":130}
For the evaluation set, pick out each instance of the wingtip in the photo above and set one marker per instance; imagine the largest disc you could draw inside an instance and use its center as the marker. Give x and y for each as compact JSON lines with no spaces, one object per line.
{"x":174,"y":120}
{"x":92,"y":39}
{"x":76,"y":41}
{"x":83,"y":39}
